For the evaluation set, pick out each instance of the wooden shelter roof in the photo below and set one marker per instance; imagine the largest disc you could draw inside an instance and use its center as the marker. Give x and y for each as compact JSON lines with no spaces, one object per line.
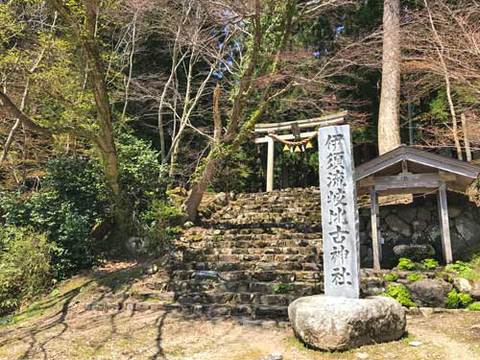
{"x":394,"y":162}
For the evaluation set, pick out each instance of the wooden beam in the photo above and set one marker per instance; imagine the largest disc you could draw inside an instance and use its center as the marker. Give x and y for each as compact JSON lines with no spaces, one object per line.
{"x":270,"y":160}
{"x":444,"y":223}
{"x":406,"y":191}
{"x":303,"y":135}
{"x":325,"y":120}
{"x":407,"y":181}
{"x":376,"y":245}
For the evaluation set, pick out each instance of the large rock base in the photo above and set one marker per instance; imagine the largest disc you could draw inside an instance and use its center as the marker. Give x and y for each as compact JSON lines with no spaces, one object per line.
{"x":338,"y":324}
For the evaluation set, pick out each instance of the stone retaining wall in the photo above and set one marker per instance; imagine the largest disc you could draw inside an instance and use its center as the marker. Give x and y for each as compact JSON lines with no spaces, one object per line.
{"x":417,"y":223}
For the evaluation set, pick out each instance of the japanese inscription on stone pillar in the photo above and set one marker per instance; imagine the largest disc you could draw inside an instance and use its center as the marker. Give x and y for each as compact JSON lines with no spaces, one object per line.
{"x":341,"y":245}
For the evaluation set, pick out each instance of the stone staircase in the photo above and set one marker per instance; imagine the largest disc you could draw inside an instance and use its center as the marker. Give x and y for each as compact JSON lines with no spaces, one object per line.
{"x":252,"y":257}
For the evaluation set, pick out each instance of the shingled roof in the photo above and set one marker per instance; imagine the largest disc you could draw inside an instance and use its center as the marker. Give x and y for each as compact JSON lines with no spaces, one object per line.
{"x":418,"y":162}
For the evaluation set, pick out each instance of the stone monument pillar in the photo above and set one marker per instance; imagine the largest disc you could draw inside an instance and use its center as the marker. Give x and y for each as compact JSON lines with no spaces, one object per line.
{"x":339,"y":320}
{"x":341,"y":244}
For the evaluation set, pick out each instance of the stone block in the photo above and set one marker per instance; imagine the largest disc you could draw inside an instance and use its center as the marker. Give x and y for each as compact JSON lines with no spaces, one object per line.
{"x":338,"y":323}
{"x":416,"y":252}
{"x":471,"y":287}
{"x":398,"y":225}
{"x":430,"y":292}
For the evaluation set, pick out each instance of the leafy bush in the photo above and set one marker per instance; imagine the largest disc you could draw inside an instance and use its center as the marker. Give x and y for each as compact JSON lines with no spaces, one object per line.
{"x":474,"y":306}
{"x":391,"y":277}
{"x":457,"y":300}
{"x":400,"y":293}
{"x":406,"y":264}
{"x":71,"y":202}
{"x":457,"y":267}
{"x":469,"y":271}
{"x":160,"y":225}
{"x":140,"y":171}
{"x":414,"y":277}
{"x":430,"y":264}
{"x":25,"y":269}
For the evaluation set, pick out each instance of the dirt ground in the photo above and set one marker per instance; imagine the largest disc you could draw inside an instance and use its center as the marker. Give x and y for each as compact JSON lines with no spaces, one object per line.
{"x":59,"y":327}
{"x":160,"y":335}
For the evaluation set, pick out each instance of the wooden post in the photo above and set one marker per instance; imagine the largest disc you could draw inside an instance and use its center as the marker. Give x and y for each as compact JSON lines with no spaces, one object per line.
{"x":270,"y":159}
{"x":444,"y":222}
{"x":376,"y":245}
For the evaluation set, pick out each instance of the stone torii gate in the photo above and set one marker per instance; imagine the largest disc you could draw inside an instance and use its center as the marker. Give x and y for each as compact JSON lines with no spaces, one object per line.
{"x":291,"y":130}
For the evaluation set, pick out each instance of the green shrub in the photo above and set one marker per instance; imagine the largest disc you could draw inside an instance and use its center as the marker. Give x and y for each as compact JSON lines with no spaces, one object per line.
{"x":159,"y":225}
{"x":25,"y":270}
{"x":140,"y":172}
{"x":430,"y":264}
{"x":474,"y":306}
{"x":469,"y":271}
{"x":458,"y":300}
{"x":400,"y":293}
{"x":406,"y":264}
{"x":457,"y":267}
{"x":414,"y":277}
{"x":71,"y":202}
{"x":391,"y":277}
{"x":67,"y":230}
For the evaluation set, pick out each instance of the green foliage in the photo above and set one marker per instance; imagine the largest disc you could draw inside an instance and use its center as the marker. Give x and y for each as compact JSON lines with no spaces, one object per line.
{"x":391,"y":277}
{"x":457,"y":267}
{"x":467,"y":270}
{"x":238,"y":174}
{"x":430,"y":264}
{"x":458,"y":300}
{"x":281,"y":288}
{"x":414,"y":277}
{"x":11,"y":27}
{"x":439,"y":107}
{"x":406,"y":264}
{"x":69,"y":205}
{"x":160,"y":224}
{"x":474,"y":306}
{"x":400,"y":293}
{"x":25,"y":270}
{"x":140,"y":171}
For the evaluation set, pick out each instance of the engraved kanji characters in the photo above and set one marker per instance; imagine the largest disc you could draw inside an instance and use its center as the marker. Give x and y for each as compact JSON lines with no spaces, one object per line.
{"x":339,"y":254}
{"x":339,"y":235}
{"x":340,"y":276}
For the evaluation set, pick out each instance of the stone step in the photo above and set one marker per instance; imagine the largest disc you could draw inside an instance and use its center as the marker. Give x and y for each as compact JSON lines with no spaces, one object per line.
{"x":249,"y":265}
{"x":262,"y":249}
{"x":250,"y":234}
{"x":192,"y":286}
{"x":252,"y":311}
{"x":232,"y":298}
{"x":248,"y":258}
{"x":270,"y":215}
{"x":275,"y":312}
{"x":285,"y":206}
{"x":258,"y":241}
{"x":240,"y":275}
{"x":255,"y":222}
{"x":253,"y":226}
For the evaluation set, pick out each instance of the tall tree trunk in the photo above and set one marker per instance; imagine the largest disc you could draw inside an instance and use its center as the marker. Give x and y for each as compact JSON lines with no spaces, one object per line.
{"x":388,"y":117}
{"x":466,"y":140}
{"x":105,"y":139}
{"x":240,"y":125}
